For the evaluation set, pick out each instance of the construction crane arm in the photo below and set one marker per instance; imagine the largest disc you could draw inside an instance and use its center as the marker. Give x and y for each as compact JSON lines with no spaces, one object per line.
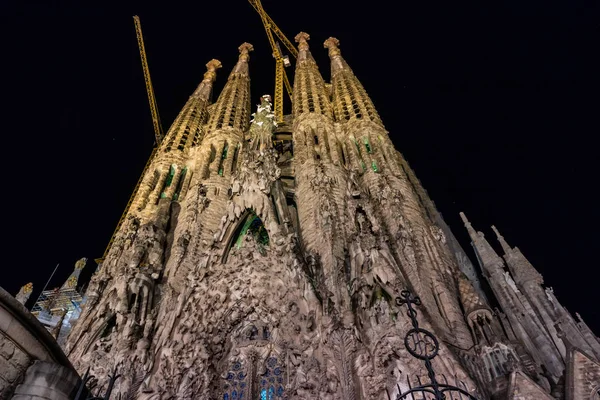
{"x":273,"y":26}
{"x":158,"y":131}
{"x":281,"y":62}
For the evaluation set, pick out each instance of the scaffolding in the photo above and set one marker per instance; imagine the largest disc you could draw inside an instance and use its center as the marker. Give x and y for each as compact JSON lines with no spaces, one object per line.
{"x":56,"y":309}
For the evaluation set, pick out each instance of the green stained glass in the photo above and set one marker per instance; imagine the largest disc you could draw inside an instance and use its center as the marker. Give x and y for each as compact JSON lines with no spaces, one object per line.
{"x":240,"y":238}
{"x":374,"y":166}
{"x":225,"y":149}
{"x":362,"y":164}
{"x":367,"y":145}
{"x":254,"y":227}
{"x":170,"y":176}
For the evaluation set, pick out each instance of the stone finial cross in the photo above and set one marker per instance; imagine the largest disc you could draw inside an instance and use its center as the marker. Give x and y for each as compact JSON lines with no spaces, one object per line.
{"x":302,"y":38}
{"x":332,"y":44}
{"x":211,"y":68}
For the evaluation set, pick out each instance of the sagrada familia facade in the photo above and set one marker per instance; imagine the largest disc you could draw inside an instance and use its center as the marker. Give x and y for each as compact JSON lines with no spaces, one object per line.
{"x":262,"y":261}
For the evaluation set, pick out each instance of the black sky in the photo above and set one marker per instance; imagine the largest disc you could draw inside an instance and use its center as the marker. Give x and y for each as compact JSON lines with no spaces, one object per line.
{"x":494,"y":104}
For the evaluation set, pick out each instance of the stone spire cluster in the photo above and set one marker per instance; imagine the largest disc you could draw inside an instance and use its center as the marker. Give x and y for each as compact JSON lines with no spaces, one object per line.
{"x":260,"y":261}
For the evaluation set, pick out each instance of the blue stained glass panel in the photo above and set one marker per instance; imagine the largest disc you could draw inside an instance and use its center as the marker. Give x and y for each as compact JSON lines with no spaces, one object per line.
{"x":263,"y":394}
{"x":226,"y":396}
{"x":280,"y":391}
{"x":277,"y":371}
{"x":234,"y":395}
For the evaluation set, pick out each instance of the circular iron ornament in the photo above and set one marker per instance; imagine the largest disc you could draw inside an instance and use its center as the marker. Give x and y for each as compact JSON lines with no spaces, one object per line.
{"x":421,"y":344}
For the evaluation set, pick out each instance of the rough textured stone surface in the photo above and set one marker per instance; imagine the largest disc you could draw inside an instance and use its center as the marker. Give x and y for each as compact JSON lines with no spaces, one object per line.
{"x":261,"y":257}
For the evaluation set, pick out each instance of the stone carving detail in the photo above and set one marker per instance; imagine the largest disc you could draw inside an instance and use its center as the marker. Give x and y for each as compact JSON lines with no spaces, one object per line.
{"x":261,"y":275}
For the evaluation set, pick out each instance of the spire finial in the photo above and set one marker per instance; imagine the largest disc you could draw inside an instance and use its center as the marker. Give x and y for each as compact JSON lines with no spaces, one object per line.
{"x":244,"y":49}
{"x":332,"y":45}
{"x":301,"y":39}
{"x":468,"y":225}
{"x":503,"y":243}
{"x":211,"y":68}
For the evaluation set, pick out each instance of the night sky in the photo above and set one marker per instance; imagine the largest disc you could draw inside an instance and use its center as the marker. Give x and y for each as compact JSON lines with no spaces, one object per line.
{"x":494,"y":104}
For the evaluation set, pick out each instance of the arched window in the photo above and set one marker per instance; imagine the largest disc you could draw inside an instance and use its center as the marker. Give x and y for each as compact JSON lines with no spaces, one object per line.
{"x":271,"y":382}
{"x":252,"y":226}
{"x":235,"y":383}
{"x":255,"y":228}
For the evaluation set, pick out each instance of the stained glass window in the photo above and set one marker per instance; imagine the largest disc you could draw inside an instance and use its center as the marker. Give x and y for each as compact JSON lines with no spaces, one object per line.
{"x":223,"y":157}
{"x":367,"y":145}
{"x":271,"y":382}
{"x":168,"y":181}
{"x":374,"y":166}
{"x":235,"y":383}
{"x":254,"y":227}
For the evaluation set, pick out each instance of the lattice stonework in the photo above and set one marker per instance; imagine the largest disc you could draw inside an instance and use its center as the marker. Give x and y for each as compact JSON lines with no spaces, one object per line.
{"x":233,"y":106}
{"x":309,"y":88}
{"x":350,"y":99}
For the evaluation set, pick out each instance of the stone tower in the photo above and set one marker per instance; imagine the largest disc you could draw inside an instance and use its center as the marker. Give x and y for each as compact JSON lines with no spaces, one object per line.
{"x":261,"y":261}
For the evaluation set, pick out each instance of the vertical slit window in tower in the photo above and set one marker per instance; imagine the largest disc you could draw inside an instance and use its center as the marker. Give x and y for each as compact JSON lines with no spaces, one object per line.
{"x":180,"y":184}
{"x":342,"y":155}
{"x":361,"y":162}
{"x":223,"y":157}
{"x":382,"y":149}
{"x":213,"y":153}
{"x":374,"y":166}
{"x":367,"y":145}
{"x":235,"y":158}
{"x":166,"y":183}
{"x":316,"y":139}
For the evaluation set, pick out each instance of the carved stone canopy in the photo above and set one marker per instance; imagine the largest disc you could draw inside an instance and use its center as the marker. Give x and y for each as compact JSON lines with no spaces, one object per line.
{"x":332,"y":44}
{"x":211,"y":68}
{"x":244,"y":49}
{"x":301,"y":39}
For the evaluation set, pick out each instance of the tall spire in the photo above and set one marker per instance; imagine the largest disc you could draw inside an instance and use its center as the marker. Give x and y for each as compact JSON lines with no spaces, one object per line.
{"x":186,"y":130}
{"x":310,"y":95}
{"x":204,"y":89}
{"x":519,"y":266}
{"x":233,"y":106}
{"x":488,"y":258}
{"x":503,"y":243}
{"x":350,"y":100}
